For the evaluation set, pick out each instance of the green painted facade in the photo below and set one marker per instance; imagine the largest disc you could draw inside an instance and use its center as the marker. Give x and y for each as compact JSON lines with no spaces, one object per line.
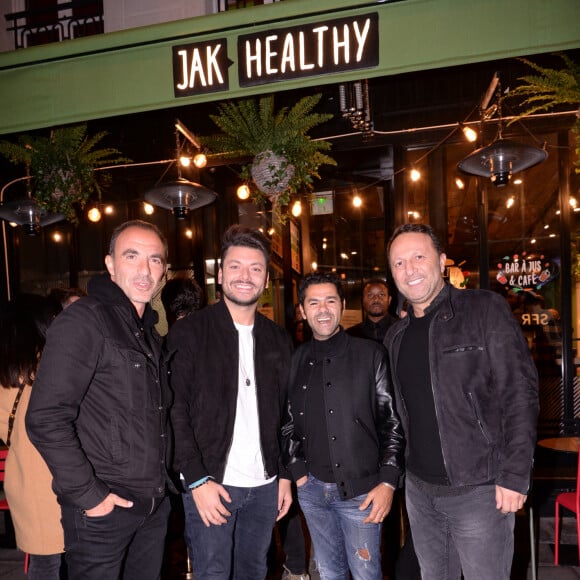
{"x":131,"y":71}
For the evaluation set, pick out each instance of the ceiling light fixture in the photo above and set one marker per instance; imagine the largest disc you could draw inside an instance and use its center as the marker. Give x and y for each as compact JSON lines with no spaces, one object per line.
{"x":180,"y":196}
{"x":500,"y":160}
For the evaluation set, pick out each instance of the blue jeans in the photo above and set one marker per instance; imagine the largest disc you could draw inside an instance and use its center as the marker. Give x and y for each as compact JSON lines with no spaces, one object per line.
{"x":341,"y":540}
{"x":465,"y":532}
{"x":128,"y":543}
{"x":239,"y":548}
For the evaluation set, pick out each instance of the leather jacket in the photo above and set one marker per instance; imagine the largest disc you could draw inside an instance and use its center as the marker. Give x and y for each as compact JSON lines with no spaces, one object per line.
{"x":204,"y":378}
{"x":485,"y":388}
{"x":365,"y":435}
{"x":98,"y":409}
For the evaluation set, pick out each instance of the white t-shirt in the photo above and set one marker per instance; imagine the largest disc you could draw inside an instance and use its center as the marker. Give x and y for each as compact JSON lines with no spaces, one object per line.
{"x":245,"y":465}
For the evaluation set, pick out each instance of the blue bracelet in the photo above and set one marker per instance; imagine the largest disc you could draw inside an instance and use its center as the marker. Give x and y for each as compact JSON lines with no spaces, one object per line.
{"x":199,"y":482}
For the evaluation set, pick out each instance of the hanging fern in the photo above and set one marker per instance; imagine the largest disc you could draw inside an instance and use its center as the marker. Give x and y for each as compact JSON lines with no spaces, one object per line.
{"x":550,"y":89}
{"x":251,"y":128}
{"x":61,"y":167}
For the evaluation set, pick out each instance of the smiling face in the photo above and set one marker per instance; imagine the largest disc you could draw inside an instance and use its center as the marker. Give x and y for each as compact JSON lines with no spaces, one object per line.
{"x":243,"y":275}
{"x":417,"y":269}
{"x":137,"y":265}
{"x":322,"y":309}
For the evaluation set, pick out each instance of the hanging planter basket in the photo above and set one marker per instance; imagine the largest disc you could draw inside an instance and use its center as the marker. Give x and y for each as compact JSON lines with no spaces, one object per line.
{"x":272,"y":173}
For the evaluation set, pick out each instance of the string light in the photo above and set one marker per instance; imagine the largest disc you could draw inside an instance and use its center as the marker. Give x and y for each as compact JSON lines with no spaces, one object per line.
{"x":243,"y":192}
{"x":415,"y":174}
{"x":469,"y":133}
{"x":200,"y":160}
{"x":297,"y":208}
{"x":94,"y":214}
{"x":148,"y":208}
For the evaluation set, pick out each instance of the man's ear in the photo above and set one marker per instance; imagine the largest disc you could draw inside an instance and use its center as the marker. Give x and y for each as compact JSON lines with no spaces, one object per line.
{"x":442,"y":260}
{"x":220,"y":277}
{"x":110,"y":264}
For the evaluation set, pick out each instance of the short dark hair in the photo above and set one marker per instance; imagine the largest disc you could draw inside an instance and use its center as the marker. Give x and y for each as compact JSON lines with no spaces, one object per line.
{"x":63,"y":295}
{"x":416,"y":229}
{"x":376,"y":281}
{"x":137,"y":224}
{"x":238,"y":235}
{"x":181,"y":296}
{"x":318,"y":278}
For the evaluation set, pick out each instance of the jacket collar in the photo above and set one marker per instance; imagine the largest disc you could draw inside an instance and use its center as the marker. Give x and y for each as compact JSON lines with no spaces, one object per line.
{"x":442,"y":303}
{"x":107,"y":292}
{"x":332,"y":347}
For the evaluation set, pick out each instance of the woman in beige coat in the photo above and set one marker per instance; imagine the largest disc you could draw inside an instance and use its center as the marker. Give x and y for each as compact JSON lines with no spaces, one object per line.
{"x":33,"y":506}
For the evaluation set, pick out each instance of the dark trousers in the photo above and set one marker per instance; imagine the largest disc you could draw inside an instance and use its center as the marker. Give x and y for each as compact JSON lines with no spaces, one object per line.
{"x":126,"y":544}
{"x":238,"y":548}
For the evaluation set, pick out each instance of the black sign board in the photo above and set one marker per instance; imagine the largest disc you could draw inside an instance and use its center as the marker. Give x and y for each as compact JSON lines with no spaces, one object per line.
{"x":201,"y":68}
{"x":301,"y":51}
{"x":331,"y":46}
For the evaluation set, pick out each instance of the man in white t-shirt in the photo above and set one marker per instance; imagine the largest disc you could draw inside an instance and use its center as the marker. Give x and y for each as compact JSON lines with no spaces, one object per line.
{"x":229,"y":374}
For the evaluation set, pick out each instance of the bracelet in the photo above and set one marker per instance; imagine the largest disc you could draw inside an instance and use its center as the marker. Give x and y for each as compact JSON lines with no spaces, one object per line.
{"x":199,"y":482}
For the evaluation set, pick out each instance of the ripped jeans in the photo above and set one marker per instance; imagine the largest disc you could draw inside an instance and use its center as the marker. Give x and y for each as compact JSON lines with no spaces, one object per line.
{"x":341,"y":540}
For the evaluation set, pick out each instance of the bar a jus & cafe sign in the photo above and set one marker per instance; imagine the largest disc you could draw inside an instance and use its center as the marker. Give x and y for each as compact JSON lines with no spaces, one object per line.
{"x":526,"y":272}
{"x":326,"y":47}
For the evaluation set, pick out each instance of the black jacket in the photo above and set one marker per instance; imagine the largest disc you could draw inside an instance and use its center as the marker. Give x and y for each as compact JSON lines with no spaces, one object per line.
{"x":485,"y":388}
{"x":365,"y":435}
{"x":373,"y":330}
{"x":204,"y":378}
{"x":98,"y":414}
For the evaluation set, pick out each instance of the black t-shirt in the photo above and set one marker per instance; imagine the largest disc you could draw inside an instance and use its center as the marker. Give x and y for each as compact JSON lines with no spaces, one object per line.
{"x":425,"y":458}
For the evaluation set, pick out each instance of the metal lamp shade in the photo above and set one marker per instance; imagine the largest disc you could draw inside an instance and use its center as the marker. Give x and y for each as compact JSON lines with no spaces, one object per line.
{"x":180,"y":196}
{"x":26,"y":213}
{"x":500,"y":160}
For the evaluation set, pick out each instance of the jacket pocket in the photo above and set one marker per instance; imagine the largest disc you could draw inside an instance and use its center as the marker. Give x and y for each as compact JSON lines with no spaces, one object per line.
{"x":477,"y":415}
{"x":459,"y":348}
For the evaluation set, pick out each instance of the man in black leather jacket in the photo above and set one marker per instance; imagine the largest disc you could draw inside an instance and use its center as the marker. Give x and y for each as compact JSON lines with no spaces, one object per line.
{"x":346,"y":445}
{"x":98,"y":415}
{"x":467,"y":394}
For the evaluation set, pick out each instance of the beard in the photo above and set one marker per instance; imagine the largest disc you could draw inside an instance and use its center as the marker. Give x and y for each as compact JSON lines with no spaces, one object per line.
{"x":247,"y":301}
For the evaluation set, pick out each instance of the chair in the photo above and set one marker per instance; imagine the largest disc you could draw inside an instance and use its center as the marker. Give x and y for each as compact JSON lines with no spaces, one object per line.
{"x":3,"y":455}
{"x":570,"y":500}
{"x":3,"y":502}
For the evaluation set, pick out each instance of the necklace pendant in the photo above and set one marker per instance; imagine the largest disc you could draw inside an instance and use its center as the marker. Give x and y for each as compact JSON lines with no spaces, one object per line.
{"x":247,"y":382}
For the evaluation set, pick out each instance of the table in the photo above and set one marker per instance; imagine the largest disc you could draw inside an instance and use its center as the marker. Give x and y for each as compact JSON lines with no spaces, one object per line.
{"x":565,"y":444}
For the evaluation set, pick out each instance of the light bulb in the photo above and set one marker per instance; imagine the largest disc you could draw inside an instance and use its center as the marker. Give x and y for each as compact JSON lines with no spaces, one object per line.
{"x":94,"y":214}
{"x":200,"y":160}
{"x":470,"y":134}
{"x":243,"y":192}
{"x":296,"y":208}
{"x":148,"y":208}
{"x":415,"y":174}
{"x":357,"y":201}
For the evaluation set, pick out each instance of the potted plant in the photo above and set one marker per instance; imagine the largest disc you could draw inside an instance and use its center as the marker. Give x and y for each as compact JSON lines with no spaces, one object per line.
{"x":549,"y":89}
{"x":283,"y":159}
{"x":61,"y":167}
